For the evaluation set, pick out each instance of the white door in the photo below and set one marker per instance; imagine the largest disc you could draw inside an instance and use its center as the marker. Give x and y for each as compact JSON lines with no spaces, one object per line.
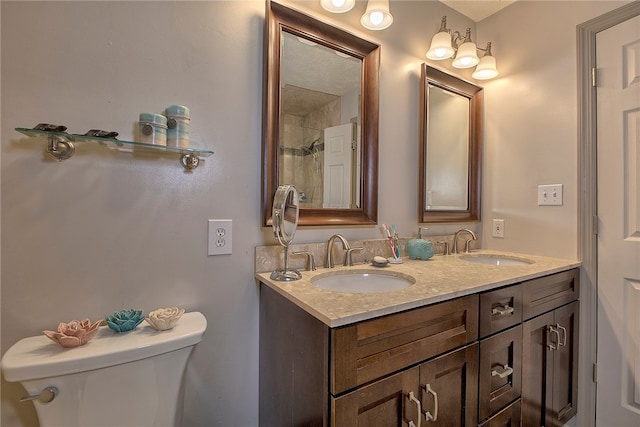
{"x":618,"y":154}
{"x":338,"y":153}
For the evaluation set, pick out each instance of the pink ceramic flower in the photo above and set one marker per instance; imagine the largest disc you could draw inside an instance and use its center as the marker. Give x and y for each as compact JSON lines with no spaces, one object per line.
{"x":74,"y":333}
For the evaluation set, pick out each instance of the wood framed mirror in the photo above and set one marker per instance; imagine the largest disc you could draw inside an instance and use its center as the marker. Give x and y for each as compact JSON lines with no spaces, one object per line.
{"x":320,"y":119}
{"x":451,"y":115}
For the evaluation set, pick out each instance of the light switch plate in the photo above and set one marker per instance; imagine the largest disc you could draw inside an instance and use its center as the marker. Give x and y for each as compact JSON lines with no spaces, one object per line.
{"x":550,"y":195}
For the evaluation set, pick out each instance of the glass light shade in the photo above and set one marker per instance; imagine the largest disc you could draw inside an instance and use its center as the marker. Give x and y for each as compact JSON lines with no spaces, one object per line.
{"x":486,"y":68}
{"x":440,"y":46}
{"x":467,"y":56}
{"x":338,"y":6}
{"x":377,"y":15}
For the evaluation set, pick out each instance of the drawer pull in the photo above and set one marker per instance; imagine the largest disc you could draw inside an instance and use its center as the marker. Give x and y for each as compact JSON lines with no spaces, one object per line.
{"x":417,"y":402}
{"x":502,"y":310}
{"x":427,"y":415}
{"x":507,"y":370}
{"x":553,"y":345}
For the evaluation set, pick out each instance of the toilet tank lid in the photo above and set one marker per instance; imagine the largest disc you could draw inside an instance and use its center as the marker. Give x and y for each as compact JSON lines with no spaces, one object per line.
{"x":39,"y":357}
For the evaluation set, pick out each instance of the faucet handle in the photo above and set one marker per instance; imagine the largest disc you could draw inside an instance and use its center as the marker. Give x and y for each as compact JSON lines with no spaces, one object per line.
{"x":445,"y":250}
{"x":348,"y":261}
{"x":310,"y":264}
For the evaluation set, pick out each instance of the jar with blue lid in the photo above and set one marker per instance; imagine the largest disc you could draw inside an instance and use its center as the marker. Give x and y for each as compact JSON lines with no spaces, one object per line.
{"x":178,"y":120}
{"x":152,"y":129}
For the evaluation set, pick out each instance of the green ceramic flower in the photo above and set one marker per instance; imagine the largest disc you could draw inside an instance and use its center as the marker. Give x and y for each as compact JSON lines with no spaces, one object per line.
{"x":124,"y":320}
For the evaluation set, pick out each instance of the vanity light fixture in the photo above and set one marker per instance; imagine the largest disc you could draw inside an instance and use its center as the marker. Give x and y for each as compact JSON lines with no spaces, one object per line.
{"x":338,"y":6}
{"x":445,"y":44}
{"x":377,"y":15}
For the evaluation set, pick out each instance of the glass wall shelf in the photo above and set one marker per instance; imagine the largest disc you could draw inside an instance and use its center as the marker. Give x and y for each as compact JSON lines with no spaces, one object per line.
{"x":61,"y":146}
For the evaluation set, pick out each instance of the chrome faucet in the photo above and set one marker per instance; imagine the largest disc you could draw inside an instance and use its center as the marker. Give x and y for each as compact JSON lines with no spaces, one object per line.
{"x":345,"y":245}
{"x":466,"y":246}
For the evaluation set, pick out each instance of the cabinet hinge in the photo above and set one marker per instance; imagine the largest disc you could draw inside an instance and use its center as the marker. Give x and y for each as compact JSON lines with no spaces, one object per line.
{"x":594,"y":77}
{"x":595,"y":372}
{"x":594,"y":225}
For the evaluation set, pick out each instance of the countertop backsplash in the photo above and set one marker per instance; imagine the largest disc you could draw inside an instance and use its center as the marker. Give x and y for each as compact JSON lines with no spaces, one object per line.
{"x":269,"y":258}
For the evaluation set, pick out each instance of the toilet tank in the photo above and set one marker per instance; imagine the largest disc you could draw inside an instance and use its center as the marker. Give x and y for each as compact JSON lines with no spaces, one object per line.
{"x":127,"y":379}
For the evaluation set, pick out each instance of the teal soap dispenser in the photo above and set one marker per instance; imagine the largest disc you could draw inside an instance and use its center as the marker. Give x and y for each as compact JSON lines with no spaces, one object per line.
{"x":419,"y":248}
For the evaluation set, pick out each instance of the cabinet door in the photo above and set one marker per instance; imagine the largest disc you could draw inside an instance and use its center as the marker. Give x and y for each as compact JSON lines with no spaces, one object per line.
{"x":500,"y":371}
{"x":449,"y":389}
{"x":565,"y":365}
{"x":390,"y":402}
{"x":508,"y":417}
{"x":550,"y":368}
{"x":535,"y":376}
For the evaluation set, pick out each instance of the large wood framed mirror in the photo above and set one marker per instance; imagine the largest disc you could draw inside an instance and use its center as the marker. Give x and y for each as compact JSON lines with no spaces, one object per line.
{"x":320,"y":119}
{"x":451,"y":115}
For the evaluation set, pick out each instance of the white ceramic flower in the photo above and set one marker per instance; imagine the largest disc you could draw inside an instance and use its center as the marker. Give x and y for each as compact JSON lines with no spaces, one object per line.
{"x":164,"y":318}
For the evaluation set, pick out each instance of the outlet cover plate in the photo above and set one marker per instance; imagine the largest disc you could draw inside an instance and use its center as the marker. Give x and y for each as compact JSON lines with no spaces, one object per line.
{"x":220,"y":236}
{"x":498,"y":228}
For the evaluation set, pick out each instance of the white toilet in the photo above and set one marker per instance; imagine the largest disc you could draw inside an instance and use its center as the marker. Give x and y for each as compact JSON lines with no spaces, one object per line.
{"x":117,"y":379}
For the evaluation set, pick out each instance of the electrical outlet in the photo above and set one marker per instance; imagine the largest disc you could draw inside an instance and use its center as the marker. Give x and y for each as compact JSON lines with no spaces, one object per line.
{"x":550,"y":195}
{"x":498,"y":228}
{"x":220,"y":236}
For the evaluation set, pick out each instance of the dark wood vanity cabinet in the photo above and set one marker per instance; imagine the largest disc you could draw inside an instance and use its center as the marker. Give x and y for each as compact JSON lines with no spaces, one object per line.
{"x":478,"y":360}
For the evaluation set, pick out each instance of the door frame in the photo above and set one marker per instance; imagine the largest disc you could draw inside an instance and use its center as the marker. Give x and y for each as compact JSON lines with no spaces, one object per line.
{"x":587,"y":202}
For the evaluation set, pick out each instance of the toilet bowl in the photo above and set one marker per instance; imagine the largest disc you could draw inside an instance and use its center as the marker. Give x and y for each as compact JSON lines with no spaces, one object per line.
{"x":117,"y":379}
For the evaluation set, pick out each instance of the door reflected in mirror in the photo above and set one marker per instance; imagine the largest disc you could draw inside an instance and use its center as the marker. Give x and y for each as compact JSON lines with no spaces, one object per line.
{"x":450,"y":148}
{"x":320,"y":119}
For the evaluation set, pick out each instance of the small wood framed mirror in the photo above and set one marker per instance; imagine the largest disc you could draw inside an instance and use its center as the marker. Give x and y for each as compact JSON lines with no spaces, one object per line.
{"x":450,"y":148}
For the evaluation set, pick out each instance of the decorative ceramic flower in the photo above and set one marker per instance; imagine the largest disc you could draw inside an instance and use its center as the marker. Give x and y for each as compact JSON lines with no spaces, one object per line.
{"x":124,"y":320}
{"x":74,"y":333}
{"x":164,"y":318}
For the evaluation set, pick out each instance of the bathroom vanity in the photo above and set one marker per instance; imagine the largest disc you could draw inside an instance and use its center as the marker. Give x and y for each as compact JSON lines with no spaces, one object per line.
{"x":467,"y":344}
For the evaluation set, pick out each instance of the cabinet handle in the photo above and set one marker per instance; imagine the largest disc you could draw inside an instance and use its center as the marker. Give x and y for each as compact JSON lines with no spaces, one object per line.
{"x":502,"y":310}
{"x":412,"y":397}
{"x":507,"y":370}
{"x":427,"y":415}
{"x":553,"y":345}
{"x":562,"y":341}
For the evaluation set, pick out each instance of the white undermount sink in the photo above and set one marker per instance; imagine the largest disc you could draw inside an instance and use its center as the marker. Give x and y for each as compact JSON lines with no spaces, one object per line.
{"x":362,"y":281}
{"x":497,"y":260}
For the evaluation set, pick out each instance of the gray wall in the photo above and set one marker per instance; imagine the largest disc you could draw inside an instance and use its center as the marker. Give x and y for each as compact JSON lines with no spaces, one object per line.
{"x":106,"y":230}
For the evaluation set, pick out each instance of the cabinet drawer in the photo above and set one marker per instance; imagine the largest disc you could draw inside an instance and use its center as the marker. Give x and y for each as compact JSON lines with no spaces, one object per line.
{"x":500,"y":371}
{"x":374,"y":348}
{"x":509,"y":416}
{"x":550,"y":292}
{"x":500,"y":309}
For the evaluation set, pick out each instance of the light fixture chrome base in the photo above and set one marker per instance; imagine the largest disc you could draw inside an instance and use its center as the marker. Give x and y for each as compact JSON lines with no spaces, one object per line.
{"x":60,"y":148}
{"x":286,"y":275}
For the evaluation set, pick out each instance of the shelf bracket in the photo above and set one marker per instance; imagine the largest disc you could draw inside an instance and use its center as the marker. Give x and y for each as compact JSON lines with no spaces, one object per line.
{"x":190,"y":161}
{"x":60,"y":148}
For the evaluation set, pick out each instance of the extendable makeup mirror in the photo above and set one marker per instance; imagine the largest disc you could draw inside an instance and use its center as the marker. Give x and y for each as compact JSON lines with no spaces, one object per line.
{"x":285,"y":222}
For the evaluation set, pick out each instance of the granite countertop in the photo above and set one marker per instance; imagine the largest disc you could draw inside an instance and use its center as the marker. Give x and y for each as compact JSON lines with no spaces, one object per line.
{"x":437,"y":279}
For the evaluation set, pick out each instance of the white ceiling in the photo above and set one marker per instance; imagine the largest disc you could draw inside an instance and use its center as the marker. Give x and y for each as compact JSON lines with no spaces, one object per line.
{"x":477,"y":9}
